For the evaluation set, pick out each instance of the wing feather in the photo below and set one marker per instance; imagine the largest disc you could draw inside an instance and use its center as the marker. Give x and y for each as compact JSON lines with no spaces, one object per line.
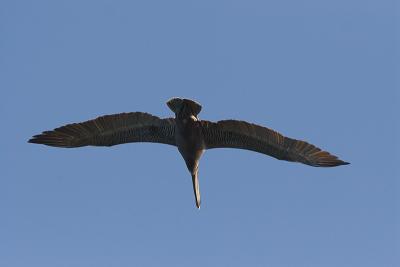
{"x":244,"y":135}
{"x":111,"y":130}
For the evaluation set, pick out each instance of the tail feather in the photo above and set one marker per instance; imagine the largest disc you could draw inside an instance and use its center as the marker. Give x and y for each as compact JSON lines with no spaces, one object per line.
{"x":196,"y":189}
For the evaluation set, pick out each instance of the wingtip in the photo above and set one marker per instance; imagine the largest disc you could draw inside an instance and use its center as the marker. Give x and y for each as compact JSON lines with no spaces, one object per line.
{"x":32,"y":140}
{"x":341,"y":162}
{"x":334,"y":163}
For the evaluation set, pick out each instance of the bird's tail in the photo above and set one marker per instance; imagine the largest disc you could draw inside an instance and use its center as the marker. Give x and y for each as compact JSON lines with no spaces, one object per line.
{"x":196,"y":189}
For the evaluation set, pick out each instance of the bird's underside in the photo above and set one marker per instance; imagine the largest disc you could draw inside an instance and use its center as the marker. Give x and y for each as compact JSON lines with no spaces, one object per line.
{"x":189,"y":134}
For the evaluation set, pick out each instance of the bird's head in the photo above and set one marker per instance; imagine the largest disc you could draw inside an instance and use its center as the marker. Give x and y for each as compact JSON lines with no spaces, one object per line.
{"x":184,"y":107}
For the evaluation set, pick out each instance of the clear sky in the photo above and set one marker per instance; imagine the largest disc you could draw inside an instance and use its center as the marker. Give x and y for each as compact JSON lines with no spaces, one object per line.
{"x":322,"y":71}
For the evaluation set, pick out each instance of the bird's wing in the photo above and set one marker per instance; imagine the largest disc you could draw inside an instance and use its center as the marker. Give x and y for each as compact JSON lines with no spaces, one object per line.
{"x":111,"y":130}
{"x":244,"y":135}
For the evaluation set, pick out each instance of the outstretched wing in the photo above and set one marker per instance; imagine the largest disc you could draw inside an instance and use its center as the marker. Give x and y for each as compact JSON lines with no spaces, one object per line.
{"x":240,"y":134}
{"x":111,"y":130}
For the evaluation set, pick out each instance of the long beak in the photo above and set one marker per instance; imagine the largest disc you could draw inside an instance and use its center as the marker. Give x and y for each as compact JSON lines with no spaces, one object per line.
{"x":196,"y":189}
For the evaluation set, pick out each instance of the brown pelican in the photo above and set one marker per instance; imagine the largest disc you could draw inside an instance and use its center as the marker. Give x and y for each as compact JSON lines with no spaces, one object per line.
{"x":191,"y":135}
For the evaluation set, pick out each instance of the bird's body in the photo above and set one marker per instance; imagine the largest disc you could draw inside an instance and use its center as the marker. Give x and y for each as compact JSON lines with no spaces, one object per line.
{"x":190,"y":142}
{"x":189,"y":134}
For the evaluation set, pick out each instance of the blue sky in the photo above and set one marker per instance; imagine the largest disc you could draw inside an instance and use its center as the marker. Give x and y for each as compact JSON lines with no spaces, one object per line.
{"x":322,"y":71}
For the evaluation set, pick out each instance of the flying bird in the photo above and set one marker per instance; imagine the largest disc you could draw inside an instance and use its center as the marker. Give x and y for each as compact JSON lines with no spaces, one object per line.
{"x":189,"y":134}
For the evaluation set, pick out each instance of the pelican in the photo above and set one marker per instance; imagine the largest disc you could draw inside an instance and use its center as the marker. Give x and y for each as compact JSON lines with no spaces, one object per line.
{"x":189,"y":134}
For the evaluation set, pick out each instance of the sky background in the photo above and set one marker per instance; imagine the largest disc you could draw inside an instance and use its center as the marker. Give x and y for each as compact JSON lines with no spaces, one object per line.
{"x":322,"y":71}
